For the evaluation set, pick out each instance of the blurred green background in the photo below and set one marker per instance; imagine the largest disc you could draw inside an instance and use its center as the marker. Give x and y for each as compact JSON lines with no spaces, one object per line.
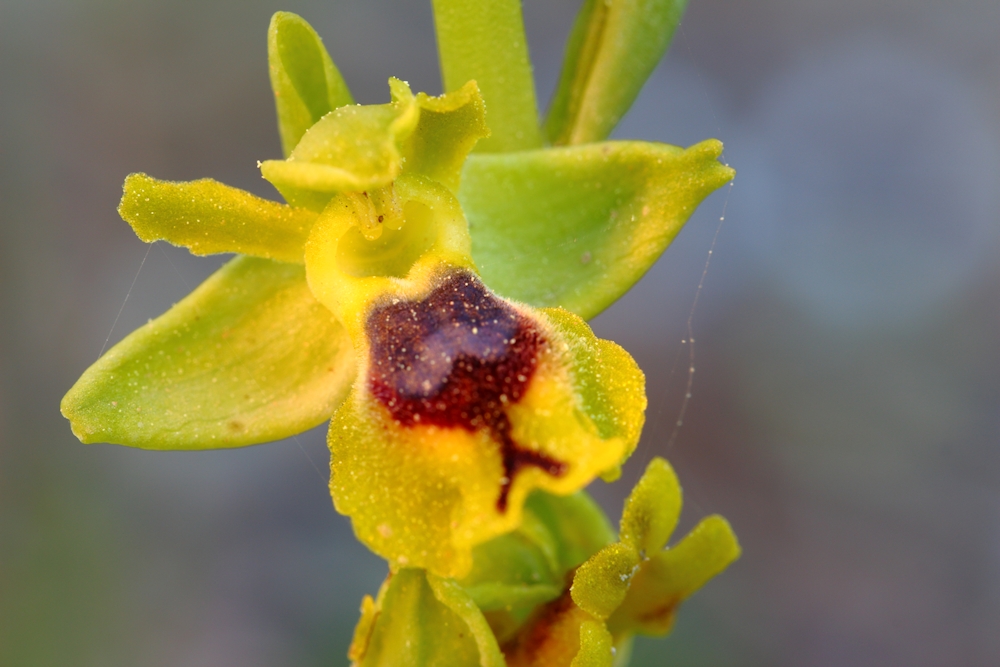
{"x":845,"y":406}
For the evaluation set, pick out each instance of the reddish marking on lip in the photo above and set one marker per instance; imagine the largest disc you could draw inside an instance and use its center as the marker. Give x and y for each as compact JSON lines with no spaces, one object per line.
{"x":457,"y":359}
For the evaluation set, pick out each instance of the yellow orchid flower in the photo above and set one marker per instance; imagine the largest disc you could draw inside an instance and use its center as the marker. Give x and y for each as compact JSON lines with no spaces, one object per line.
{"x":427,"y":299}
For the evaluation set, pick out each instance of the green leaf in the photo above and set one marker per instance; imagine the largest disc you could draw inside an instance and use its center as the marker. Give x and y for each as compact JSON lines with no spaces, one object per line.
{"x":601,"y":583}
{"x":306,"y":83}
{"x":612,"y":50}
{"x":576,"y":227}
{"x":671,"y":576}
{"x":208,"y":217}
{"x":248,"y":357}
{"x":596,"y":646}
{"x":485,"y":42}
{"x":652,"y":508}
{"x":424,"y":621}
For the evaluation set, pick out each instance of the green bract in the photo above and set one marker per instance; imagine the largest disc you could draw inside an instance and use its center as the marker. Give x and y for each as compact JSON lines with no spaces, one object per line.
{"x":424,"y":288}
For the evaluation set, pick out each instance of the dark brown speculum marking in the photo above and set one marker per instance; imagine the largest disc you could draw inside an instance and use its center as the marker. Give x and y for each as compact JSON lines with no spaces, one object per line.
{"x":457,"y":359}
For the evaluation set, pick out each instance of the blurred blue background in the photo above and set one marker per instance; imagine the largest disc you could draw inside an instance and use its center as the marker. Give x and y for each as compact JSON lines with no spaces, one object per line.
{"x":845,"y":406}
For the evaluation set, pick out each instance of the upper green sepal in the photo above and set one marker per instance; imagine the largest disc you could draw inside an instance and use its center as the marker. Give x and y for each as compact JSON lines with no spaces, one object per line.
{"x":306,"y":83}
{"x":358,"y":148}
{"x":578,"y":226}
{"x":248,"y":357}
{"x":208,"y":217}
{"x":611,"y":51}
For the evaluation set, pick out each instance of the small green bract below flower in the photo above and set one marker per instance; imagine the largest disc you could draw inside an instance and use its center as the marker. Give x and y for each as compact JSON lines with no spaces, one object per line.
{"x":425,"y":289}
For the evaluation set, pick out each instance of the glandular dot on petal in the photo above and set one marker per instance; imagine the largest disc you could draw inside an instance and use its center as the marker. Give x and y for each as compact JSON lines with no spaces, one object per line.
{"x":456,"y":359}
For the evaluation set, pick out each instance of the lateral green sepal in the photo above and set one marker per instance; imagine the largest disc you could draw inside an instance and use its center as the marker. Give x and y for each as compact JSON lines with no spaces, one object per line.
{"x":248,"y":357}
{"x":306,"y":83}
{"x":578,"y":226}
{"x":207,"y":217}
{"x":451,"y":595}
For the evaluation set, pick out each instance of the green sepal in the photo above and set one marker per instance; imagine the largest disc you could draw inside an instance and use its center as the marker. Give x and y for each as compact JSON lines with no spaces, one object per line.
{"x":359,"y":148}
{"x":450,"y":594}
{"x":577,"y":226}
{"x":248,"y":357}
{"x":670,"y":576}
{"x":596,"y":646}
{"x":207,"y":217}
{"x":576,"y":523}
{"x":306,"y":83}
{"x":611,"y":51}
{"x":652,"y":509}
{"x":602,"y":582}
{"x":420,"y":620}
{"x":528,"y":566}
{"x":485,"y":42}
{"x":515,"y":570}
